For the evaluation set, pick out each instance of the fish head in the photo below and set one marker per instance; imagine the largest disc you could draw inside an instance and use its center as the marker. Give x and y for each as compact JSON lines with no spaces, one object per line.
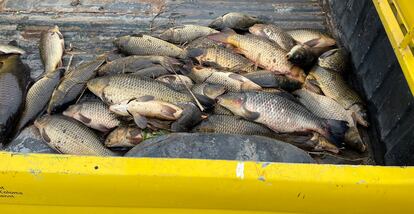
{"x":167,"y":34}
{"x":200,"y":73}
{"x":322,"y":144}
{"x":124,"y":136}
{"x":300,"y":55}
{"x":213,"y":90}
{"x":98,"y":85}
{"x":217,"y":23}
{"x":41,"y":124}
{"x":134,"y":135}
{"x":257,"y":29}
{"x":121,"y":42}
{"x":359,"y":114}
{"x":120,"y":108}
{"x":233,"y":102}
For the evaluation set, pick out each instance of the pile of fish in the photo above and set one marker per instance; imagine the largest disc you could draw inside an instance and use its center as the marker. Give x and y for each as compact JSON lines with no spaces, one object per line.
{"x":239,"y":75}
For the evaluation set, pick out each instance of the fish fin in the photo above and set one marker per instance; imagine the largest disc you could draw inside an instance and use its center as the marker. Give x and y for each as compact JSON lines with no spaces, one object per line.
{"x":103,"y":128}
{"x":207,"y":102}
{"x":328,"y":53}
{"x":195,"y":52}
{"x":145,"y":98}
{"x":59,"y":34}
{"x":141,"y":121}
{"x":289,"y":96}
{"x":161,"y":124}
{"x":334,"y":131}
{"x":312,"y":42}
{"x":250,"y":115}
{"x":84,"y":119}
{"x":168,"y":111}
{"x":239,"y":50}
{"x":237,"y":77}
{"x":222,"y":36}
{"x":229,"y":31}
{"x":13,"y":43}
{"x":45,"y":136}
{"x":137,"y":35}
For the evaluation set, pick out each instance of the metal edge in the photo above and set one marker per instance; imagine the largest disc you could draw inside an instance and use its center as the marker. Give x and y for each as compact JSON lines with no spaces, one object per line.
{"x":404,"y":55}
{"x":45,"y":182}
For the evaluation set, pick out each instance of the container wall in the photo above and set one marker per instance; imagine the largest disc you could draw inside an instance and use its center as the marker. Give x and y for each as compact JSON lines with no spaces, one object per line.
{"x":379,"y":78}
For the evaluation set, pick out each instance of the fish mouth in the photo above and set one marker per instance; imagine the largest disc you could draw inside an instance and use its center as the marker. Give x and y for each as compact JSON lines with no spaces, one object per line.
{"x":121,"y":109}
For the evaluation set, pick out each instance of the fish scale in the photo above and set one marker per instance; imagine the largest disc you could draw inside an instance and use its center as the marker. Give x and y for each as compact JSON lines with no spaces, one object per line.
{"x":148,"y":45}
{"x":274,"y":33}
{"x":226,"y":59}
{"x":334,"y":86}
{"x":125,"y":87}
{"x":186,"y":33}
{"x":69,"y":136}
{"x":51,"y":47}
{"x":281,"y":114}
{"x":38,"y":96}
{"x":97,"y":112}
{"x":74,"y":83}
{"x":232,"y":125}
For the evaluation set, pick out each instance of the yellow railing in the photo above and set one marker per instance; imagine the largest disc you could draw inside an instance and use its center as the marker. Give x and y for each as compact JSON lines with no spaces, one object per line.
{"x":397,"y":16}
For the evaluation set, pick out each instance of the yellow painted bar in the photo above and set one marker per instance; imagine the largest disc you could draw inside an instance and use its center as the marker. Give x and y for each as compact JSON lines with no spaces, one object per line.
{"x":405,"y":12}
{"x":39,"y":183}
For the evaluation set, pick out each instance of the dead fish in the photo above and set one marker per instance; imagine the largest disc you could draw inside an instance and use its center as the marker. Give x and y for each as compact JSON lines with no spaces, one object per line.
{"x":94,"y":114}
{"x":234,"y":20}
{"x":176,"y":81}
{"x":208,"y":89}
{"x":120,"y":87}
{"x":281,"y":113}
{"x":130,"y":136}
{"x":146,"y":106}
{"x":268,"y":79}
{"x":266,"y":54}
{"x":222,"y":58}
{"x":74,"y":83}
{"x":38,"y":96}
{"x":202,"y":42}
{"x":10,"y":49}
{"x":302,"y":56}
{"x":311,"y":38}
{"x":335,"y":59}
{"x":328,"y":108}
{"x":232,"y":81}
{"x":124,"y":136}
{"x":140,"y":44}
{"x":51,"y":48}
{"x":185,"y":33}
{"x":334,"y":86}
{"x":14,"y":78}
{"x":133,"y":64}
{"x":274,"y":33}
{"x":232,"y":125}
{"x":152,"y":72}
{"x":68,"y":136}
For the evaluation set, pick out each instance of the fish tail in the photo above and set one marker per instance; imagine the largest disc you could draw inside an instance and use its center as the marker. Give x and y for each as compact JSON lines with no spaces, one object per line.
{"x":334,"y":131}
{"x":223,"y":36}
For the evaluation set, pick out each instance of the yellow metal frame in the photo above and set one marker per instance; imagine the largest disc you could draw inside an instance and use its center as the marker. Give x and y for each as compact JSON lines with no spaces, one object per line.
{"x":37,"y":183}
{"x":394,"y":22}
